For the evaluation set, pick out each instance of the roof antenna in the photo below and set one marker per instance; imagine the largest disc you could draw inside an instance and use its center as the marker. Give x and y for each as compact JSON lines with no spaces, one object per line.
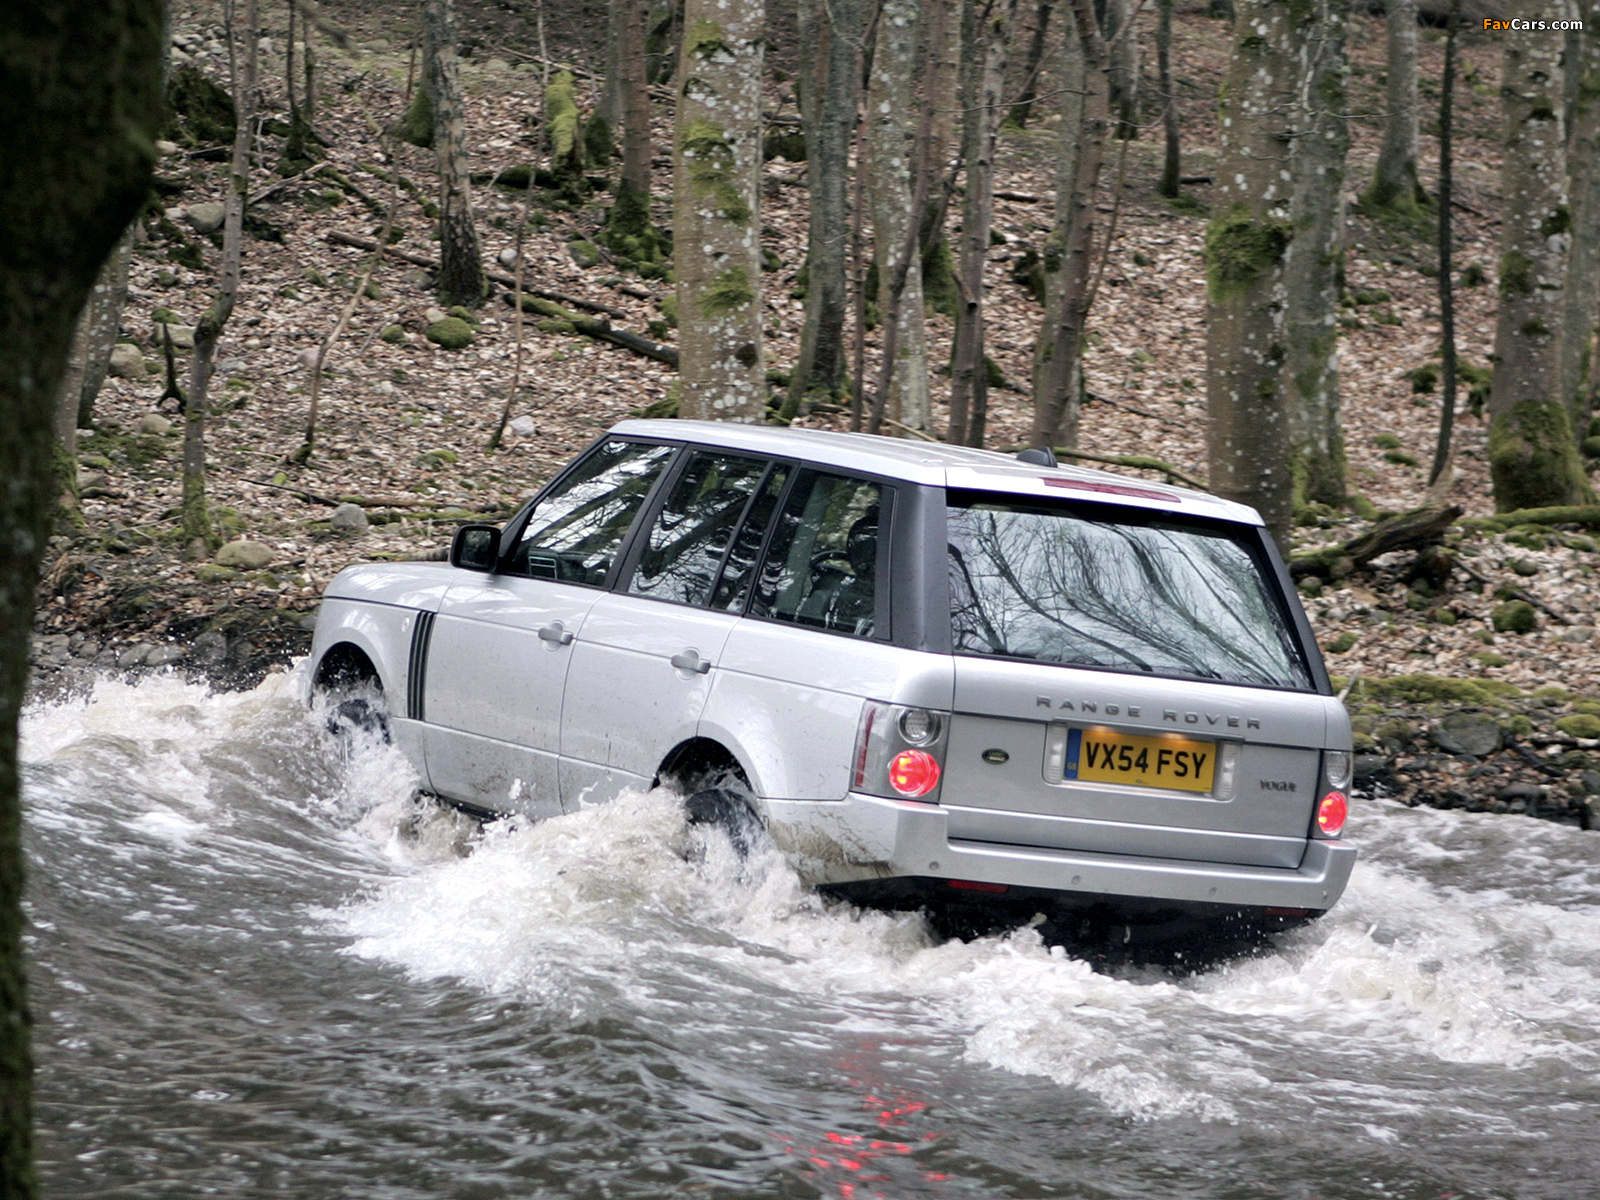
{"x":1039,"y":456}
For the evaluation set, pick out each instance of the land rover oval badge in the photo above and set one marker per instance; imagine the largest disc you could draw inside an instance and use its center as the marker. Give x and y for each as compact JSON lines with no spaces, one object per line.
{"x":996,"y":756}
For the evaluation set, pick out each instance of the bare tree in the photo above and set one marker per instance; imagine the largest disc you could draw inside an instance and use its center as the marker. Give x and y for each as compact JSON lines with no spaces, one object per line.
{"x":986,"y":34}
{"x":895,"y":211}
{"x":1123,"y":49}
{"x":197,"y":530}
{"x":832,"y":31}
{"x":1022,"y":110}
{"x":1250,"y":425}
{"x":82,"y":89}
{"x":461,"y":279}
{"x":1580,"y":324}
{"x":1533,"y":457}
{"x":629,"y":231}
{"x":1394,"y":181}
{"x":1312,"y":274}
{"x":1447,"y":295}
{"x":1068,"y":253}
{"x":1171,"y":170}
{"x":716,"y":197}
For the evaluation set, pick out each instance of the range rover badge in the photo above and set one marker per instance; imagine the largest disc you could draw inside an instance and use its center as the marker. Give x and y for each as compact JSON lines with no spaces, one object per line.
{"x":996,"y":756}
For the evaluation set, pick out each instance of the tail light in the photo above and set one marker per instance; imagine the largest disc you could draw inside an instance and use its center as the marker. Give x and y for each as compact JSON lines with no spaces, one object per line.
{"x":1334,"y":807}
{"x":899,"y":751}
{"x":1332,"y":810}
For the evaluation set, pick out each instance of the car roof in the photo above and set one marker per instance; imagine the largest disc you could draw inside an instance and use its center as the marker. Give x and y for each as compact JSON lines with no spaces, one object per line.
{"x":939,"y":465}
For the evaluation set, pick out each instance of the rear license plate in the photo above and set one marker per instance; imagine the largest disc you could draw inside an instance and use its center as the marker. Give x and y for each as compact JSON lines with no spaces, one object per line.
{"x":1105,"y":756}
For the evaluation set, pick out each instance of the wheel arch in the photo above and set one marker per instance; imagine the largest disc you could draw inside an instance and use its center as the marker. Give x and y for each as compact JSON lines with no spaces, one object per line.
{"x":344,"y":664}
{"x":697,"y":760}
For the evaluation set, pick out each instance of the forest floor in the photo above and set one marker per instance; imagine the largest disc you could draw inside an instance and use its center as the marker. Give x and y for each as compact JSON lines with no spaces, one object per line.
{"x":405,"y":424}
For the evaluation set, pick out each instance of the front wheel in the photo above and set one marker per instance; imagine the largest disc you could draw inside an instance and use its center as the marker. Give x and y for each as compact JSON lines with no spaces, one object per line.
{"x":728,"y":811}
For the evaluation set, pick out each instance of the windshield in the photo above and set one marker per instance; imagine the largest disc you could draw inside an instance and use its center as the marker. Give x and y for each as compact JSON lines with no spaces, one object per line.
{"x":1116,"y":589}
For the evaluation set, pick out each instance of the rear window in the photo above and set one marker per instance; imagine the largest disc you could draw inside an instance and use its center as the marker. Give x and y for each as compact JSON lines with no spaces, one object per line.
{"x":1116,"y":589}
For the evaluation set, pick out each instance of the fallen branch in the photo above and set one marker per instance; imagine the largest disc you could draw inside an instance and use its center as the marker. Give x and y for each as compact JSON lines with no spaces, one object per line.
{"x":1419,"y":528}
{"x":600,"y":330}
{"x":361,"y":243}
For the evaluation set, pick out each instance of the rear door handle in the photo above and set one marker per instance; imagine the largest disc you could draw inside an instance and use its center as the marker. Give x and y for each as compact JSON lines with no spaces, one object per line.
{"x":555,"y":635}
{"x":690,"y":660}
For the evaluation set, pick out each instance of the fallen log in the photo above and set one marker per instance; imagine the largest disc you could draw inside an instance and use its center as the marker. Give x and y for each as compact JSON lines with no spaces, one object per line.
{"x":1587,"y":515}
{"x":1417,"y":529}
{"x":361,"y":243}
{"x":600,"y":330}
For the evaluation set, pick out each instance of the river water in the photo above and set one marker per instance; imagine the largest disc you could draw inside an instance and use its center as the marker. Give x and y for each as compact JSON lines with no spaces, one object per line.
{"x":261,"y":969}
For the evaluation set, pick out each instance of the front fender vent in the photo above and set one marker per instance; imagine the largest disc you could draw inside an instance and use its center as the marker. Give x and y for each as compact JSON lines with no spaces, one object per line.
{"x":417,"y":667}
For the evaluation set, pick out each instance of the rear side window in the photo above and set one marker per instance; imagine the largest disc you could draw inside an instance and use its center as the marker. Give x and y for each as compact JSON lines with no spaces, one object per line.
{"x":690,"y":535}
{"x":1116,"y":589}
{"x":574,"y":531}
{"x":821,"y":566}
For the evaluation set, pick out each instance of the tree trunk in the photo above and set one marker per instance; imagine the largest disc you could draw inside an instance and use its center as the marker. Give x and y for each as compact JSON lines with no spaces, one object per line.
{"x":1312,"y":267}
{"x":1058,"y":362}
{"x":461,"y":278}
{"x":1581,"y":322}
{"x":717,"y":226}
{"x":618,"y":14}
{"x":894,"y":215}
{"x":103,"y":321}
{"x":82,"y":89}
{"x":1447,"y":295}
{"x":1250,"y":420}
{"x":1533,"y":457}
{"x":937,"y":147}
{"x":986,"y":37}
{"x":1022,"y":110}
{"x":629,"y":232}
{"x":830,"y":115}
{"x":1123,"y":52}
{"x":1394,"y":182}
{"x":197,"y":531}
{"x":1171,"y":168}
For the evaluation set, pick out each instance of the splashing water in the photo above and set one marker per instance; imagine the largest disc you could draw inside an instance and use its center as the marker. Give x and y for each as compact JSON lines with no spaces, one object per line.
{"x":263,"y":965}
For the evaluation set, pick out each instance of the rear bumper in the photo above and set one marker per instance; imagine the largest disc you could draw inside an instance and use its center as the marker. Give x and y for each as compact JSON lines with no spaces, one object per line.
{"x":864,"y":838}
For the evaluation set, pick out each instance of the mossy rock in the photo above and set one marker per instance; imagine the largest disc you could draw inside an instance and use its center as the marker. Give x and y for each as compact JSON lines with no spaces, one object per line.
{"x":462,"y":313}
{"x":452,"y":333}
{"x":1343,"y":642}
{"x":212,"y":573}
{"x":1514,"y":616}
{"x":202,"y":112}
{"x":442,"y":457}
{"x":1490,"y":659}
{"x":1591,"y":447}
{"x":395,"y":335}
{"x":1592,"y":707}
{"x":1368,"y":296}
{"x":1443,"y":616}
{"x":1518,"y":726}
{"x":584,"y":252}
{"x":1580,"y":725}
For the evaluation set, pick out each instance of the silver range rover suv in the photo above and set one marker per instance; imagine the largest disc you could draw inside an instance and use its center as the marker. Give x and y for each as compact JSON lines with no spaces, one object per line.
{"x":934,"y":676}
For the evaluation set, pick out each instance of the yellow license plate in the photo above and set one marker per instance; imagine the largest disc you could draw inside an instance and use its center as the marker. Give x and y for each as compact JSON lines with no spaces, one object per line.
{"x":1169,"y":761}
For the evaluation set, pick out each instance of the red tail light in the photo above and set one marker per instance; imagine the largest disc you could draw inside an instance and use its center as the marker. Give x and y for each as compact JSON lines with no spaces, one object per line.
{"x":914,"y":772}
{"x":1331,"y":814}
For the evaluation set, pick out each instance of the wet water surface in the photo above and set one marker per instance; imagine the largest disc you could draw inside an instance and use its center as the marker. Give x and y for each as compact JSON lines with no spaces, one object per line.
{"x":262,"y":969}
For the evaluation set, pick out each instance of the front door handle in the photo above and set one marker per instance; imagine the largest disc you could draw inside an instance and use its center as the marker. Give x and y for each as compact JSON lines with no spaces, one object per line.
{"x":555,"y":635}
{"x":690,"y":660}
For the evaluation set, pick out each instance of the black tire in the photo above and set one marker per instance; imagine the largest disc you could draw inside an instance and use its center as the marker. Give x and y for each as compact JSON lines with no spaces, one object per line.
{"x":363,"y":715}
{"x":727,"y":810}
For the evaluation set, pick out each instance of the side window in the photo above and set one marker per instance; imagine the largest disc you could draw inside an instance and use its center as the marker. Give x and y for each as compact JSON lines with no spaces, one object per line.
{"x":821,"y":566}
{"x":695,"y":525}
{"x":574,"y":532}
{"x":740,"y":567}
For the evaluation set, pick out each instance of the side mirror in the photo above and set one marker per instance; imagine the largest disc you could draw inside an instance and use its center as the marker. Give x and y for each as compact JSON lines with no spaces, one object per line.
{"x":476,"y":548}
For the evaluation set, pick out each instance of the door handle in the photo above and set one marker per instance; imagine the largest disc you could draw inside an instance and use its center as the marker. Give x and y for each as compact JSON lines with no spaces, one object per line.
{"x":555,"y":635}
{"x":690,"y":660}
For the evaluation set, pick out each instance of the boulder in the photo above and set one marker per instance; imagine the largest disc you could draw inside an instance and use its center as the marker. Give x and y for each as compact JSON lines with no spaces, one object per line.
{"x":164,"y":656}
{"x":182,"y":337}
{"x":206,"y":217}
{"x":154,"y":423}
{"x":349,"y":520}
{"x":244,"y":555}
{"x":127,"y":362}
{"x":1471,"y":733}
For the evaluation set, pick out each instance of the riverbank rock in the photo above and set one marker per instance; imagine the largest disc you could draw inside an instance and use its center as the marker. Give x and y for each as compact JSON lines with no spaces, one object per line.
{"x":1471,"y":733}
{"x":244,"y":555}
{"x":349,"y":520}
